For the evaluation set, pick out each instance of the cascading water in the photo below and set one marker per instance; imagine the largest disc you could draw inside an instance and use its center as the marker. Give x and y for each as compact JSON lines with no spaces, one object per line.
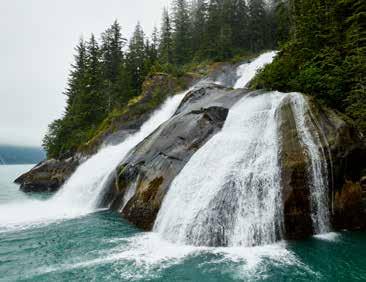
{"x":317,"y":168}
{"x":247,"y":71}
{"x":81,"y":193}
{"x":85,"y":186}
{"x":229,"y":192}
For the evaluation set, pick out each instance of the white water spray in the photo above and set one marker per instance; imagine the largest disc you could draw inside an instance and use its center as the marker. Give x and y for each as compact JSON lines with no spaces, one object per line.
{"x":81,"y":193}
{"x":246,"y":72}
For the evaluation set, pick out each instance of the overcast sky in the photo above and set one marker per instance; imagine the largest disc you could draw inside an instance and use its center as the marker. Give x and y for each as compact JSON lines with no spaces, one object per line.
{"x":36,"y":50}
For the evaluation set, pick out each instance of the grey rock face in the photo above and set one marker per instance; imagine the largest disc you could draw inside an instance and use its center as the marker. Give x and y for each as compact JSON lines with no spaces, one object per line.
{"x":145,"y":175}
{"x":47,"y":176}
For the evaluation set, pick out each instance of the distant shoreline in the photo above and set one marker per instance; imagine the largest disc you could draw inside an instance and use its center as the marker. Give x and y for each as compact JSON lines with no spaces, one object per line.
{"x":20,"y":155}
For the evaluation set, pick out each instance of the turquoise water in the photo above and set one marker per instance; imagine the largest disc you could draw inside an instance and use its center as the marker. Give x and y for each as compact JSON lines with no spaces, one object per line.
{"x":103,"y":247}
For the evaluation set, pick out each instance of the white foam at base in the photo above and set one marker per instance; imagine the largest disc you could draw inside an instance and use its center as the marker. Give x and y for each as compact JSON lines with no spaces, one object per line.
{"x":145,"y":256}
{"x":330,"y":236}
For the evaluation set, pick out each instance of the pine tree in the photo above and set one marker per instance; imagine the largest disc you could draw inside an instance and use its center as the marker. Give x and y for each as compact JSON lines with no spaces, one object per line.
{"x":166,"y":41}
{"x":198,"y":27}
{"x":181,"y":37}
{"x":112,"y":46}
{"x":63,"y":129}
{"x":112,"y":57}
{"x":281,"y":21}
{"x":152,"y":47}
{"x":240,"y":24}
{"x":257,"y":25}
{"x":94,"y":100}
{"x":214,"y":25}
{"x":77,"y":76}
{"x":135,"y":60}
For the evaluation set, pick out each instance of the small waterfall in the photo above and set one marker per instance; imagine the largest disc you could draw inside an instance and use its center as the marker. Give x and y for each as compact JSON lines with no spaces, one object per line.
{"x":317,"y":168}
{"x":229,"y":192}
{"x":85,"y":186}
{"x":247,"y":71}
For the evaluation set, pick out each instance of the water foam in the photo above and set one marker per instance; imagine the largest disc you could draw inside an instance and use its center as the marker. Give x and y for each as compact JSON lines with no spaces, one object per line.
{"x":317,"y":168}
{"x":150,"y":255}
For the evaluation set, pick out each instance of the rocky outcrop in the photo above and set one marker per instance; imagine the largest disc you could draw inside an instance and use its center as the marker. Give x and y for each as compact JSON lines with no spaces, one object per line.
{"x":51,"y":174}
{"x":346,"y":161}
{"x":146,"y":174}
{"x":47,"y":176}
{"x":126,"y":121}
{"x":345,"y":153}
{"x":293,"y":162}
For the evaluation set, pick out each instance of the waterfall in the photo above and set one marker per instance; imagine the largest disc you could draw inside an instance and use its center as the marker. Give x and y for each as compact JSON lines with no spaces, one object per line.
{"x":229,"y":192}
{"x":317,"y":167}
{"x":85,"y":186}
{"x":82,"y":192}
{"x":247,"y":71}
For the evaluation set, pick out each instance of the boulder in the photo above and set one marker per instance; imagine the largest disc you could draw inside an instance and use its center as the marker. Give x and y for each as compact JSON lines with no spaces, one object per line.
{"x":293,"y":162}
{"x":344,"y":154}
{"x":51,"y":174}
{"x":47,"y":176}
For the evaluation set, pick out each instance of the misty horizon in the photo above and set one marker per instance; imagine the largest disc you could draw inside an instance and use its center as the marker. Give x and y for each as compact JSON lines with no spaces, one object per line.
{"x":40,"y":39}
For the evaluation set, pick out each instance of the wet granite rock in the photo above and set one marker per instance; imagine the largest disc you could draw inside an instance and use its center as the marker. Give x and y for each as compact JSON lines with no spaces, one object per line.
{"x":47,"y":176}
{"x":146,"y":173}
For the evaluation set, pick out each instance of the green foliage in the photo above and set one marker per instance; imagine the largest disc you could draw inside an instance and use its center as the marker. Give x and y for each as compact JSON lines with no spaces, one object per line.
{"x":107,"y":76}
{"x":154,"y":92}
{"x":324,"y":56}
{"x":102,"y":79}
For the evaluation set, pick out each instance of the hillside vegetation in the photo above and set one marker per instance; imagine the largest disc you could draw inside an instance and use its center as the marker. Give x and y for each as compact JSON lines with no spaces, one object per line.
{"x":108,"y":74}
{"x":321,"y":47}
{"x":325,"y":55}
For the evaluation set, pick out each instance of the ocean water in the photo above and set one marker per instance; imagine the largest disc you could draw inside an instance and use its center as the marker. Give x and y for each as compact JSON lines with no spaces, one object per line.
{"x":103,"y":247}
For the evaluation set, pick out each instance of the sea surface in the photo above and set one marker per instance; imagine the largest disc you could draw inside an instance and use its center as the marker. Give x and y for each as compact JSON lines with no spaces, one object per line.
{"x":103,"y":247}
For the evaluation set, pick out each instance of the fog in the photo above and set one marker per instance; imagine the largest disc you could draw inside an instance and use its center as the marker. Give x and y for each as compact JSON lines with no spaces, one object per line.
{"x":36,"y":50}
